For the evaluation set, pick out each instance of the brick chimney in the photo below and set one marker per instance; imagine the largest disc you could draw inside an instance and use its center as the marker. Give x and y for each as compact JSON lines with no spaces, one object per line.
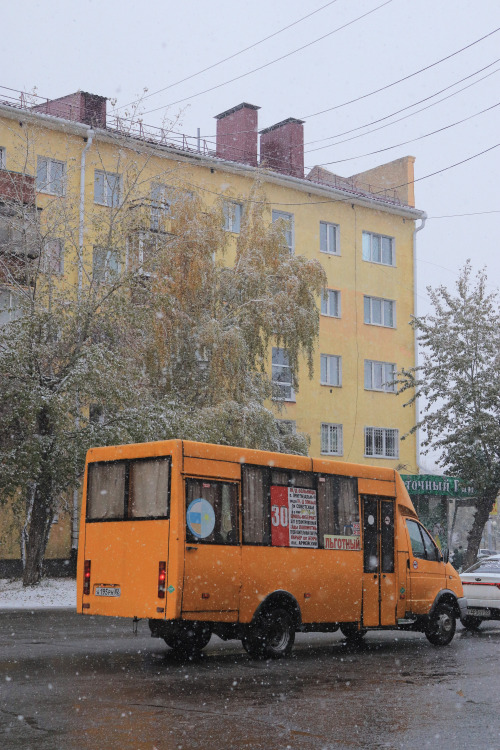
{"x":79,"y":107}
{"x":237,"y":134}
{"x":282,"y":147}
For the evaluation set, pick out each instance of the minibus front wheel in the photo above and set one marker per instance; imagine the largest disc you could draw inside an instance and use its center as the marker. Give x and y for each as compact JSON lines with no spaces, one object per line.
{"x":272,"y":636}
{"x":442,"y":625}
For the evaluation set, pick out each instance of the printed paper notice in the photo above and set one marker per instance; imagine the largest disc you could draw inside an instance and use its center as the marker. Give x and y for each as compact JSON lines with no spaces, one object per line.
{"x":294,"y":517}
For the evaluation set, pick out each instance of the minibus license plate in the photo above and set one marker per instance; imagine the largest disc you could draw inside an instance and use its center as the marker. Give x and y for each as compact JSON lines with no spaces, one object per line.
{"x":478,"y":612}
{"x":107,"y":591}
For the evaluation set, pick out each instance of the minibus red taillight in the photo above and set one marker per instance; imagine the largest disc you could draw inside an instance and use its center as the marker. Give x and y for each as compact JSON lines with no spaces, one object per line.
{"x":86,"y":578}
{"x":162,"y":576}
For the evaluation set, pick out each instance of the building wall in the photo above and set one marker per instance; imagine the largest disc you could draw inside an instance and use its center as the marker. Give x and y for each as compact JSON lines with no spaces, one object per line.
{"x":350,"y":405}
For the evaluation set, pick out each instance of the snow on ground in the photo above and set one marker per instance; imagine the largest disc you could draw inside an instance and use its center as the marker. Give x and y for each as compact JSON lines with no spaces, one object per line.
{"x":50,"y":592}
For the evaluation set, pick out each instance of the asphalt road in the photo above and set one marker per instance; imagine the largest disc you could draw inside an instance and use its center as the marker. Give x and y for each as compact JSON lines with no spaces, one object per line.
{"x":87,"y":683}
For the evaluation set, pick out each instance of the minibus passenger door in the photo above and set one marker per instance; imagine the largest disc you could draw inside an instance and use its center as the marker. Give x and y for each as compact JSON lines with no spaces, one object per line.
{"x":212,"y":560}
{"x":379,"y":578}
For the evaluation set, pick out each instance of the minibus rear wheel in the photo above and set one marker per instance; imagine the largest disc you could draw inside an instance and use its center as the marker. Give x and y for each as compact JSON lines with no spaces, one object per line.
{"x":190,"y":639}
{"x":351,"y":632}
{"x":442,"y":625}
{"x":272,"y":636}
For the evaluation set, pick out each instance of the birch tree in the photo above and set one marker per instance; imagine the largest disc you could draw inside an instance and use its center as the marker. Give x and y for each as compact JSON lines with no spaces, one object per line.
{"x":170,"y":342}
{"x":459,"y":385}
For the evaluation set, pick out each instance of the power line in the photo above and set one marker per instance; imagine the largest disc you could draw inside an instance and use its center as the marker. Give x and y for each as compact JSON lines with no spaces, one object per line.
{"x":386,"y":117}
{"x":266,"y":65}
{"x":412,"y":140}
{"x":231,"y":57}
{"x":350,"y":198}
{"x":453,"y":216}
{"x":400,"y":80}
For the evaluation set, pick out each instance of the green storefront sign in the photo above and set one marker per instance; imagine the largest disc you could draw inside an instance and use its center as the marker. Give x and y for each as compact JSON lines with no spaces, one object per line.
{"x":429,"y":484}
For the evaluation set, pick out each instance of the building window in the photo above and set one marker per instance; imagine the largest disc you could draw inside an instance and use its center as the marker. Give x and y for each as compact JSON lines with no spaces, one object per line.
{"x":330,"y":303}
{"x":286,"y":426}
{"x":331,"y":370}
{"x":378,"y":249}
{"x":331,"y":439}
{"x":9,"y":307}
{"x":53,"y":257}
{"x":381,"y":442}
{"x":329,"y":238}
{"x":232,"y":216}
{"x":106,"y":188}
{"x":282,"y":375}
{"x":3,"y":159}
{"x":105,"y":265}
{"x":287,"y":222}
{"x":160,"y":205}
{"x":50,"y":176}
{"x":380,"y":312}
{"x":380,"y":376}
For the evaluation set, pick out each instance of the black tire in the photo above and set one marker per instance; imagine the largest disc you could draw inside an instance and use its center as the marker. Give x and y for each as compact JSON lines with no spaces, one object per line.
{"x":272,"y":636}
{"x":442,"y":625}
{"x":351,"y":632}
{"x":471,"y":623}
{"x":189,"y":639}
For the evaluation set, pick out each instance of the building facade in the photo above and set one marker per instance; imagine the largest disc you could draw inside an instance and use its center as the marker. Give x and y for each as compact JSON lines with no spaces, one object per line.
{"x":360,"y":228}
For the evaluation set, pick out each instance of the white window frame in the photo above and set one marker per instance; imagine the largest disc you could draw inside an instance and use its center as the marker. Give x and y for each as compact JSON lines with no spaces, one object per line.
{"x":46,"y":185}
{"x":388,"y":375}
{"x":50,"y":263}
{"x":111,"y":194}
{"x":287,"y":218}
{"x":381,"y":434}
{"x":331,"y":235}
{"x":332,"y":363}
{"x":326,"y":303}
{"x":369,"y":306}
{"x":278,"y":368}
{"x":109,"y":269}
{"x":3,"y":157}
{"x":160,"y":205}
{"x":374,"y":254}
{"x":233,"y":214}
{"x":331,"y":439}
{"x":9,"y":307}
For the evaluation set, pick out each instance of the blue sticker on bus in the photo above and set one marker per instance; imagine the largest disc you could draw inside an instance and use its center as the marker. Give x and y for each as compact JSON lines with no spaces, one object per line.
{"x":200,"y":518}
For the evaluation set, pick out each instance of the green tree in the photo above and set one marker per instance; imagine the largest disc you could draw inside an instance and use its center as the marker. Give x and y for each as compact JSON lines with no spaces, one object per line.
{"x":458,"y":383}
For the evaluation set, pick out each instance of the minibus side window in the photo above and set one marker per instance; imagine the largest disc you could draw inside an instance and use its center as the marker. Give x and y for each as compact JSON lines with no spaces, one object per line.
{"x":106,"y":490}
{"x":338,"y":507}
{"x":417,"y":543}
{"x":431,"y":550}
{"x":255,"y":505}
{"x":148,"y":488}
{"x":211,"y":512}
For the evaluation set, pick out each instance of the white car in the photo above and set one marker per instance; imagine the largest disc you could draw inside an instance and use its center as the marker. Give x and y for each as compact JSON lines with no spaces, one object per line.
{"x":481,"y":584}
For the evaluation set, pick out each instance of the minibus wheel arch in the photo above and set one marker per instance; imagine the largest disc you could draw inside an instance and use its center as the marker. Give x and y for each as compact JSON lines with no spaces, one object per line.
{"x":446,"y":597}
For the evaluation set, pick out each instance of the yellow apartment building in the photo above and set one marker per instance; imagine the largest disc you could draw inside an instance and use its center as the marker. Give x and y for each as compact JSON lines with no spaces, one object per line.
{"x":361,"y":229}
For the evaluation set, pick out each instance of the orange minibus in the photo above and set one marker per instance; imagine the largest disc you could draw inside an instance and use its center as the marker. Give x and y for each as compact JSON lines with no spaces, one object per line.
{"x":254,"y":545}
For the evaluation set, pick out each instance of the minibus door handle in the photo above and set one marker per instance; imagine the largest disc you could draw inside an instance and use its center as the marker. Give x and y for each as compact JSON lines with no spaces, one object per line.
{"x":192,"y":549}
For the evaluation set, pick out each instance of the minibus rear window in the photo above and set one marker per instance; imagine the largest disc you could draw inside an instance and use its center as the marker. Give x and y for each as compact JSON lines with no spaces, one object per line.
{"x":128,"y":489}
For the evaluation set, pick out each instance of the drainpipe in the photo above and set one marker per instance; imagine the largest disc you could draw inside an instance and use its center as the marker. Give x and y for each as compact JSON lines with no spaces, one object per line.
{"x":415,"y":315}
{"x":81,"y":227}
{"x":82,"y":208}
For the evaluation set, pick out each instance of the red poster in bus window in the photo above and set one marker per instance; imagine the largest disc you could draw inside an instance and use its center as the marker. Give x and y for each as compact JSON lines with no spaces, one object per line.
{"x":280,"y":536}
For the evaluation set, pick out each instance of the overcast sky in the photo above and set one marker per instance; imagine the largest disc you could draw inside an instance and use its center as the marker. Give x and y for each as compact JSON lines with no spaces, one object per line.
{"x":118,"y":47}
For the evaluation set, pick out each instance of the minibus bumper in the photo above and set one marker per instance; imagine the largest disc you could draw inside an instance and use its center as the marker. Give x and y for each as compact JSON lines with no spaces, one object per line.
{"x":462,"y":603}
